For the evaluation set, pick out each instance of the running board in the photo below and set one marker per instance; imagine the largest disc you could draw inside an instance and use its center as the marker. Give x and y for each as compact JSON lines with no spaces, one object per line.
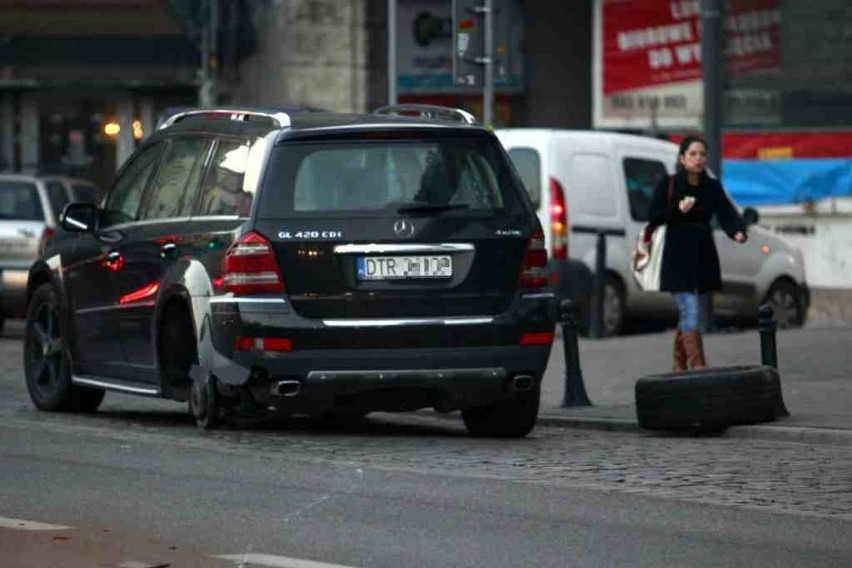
{"x":115,"y":385}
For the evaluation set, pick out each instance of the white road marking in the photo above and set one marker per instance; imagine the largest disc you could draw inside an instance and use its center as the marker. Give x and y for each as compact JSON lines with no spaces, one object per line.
{"x":137,"y":564}
{"x":23,"y":525}
{"x":275,"y":561}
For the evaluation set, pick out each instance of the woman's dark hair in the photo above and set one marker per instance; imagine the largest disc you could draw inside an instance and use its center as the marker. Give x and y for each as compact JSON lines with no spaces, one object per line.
{"x":684,"y":145}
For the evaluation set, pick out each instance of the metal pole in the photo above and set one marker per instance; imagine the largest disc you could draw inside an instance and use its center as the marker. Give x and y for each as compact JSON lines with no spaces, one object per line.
{"x":769,"y":353}
{"x":214,"y":52}
{"x":712,"y":54}
{"x":712,"y":59}
{"x":204,"y":70}
{"x":488,"y":59}
{"x":392,"y":94}
{"x":766,"y":327}
{"x":575,"y":389}
{"x":596,"y":327}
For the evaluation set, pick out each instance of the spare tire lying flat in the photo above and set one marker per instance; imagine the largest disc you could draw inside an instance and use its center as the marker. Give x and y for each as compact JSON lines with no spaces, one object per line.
{"x":709,"y":400}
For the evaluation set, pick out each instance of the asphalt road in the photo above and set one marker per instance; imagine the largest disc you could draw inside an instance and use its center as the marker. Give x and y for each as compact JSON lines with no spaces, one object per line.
{"x":137,"y":485}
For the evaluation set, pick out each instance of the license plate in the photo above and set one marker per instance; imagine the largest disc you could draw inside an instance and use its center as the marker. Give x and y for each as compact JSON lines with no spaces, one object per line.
{"x":404,"y":267}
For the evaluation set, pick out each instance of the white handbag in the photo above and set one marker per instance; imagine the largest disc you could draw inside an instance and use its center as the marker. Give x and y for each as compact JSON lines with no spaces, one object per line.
{"x":647,"y":259}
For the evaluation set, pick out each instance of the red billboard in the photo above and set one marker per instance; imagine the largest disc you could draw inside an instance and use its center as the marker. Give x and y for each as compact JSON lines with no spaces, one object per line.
{"x":648,"y":43}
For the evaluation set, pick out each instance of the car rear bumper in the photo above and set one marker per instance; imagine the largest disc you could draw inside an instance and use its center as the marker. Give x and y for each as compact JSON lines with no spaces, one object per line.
{"x":378,"y":364}
{"x":13,"y":292}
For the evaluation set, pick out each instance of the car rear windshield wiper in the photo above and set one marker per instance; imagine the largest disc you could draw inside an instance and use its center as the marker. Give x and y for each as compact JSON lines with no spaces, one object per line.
{"x":427,"y":207}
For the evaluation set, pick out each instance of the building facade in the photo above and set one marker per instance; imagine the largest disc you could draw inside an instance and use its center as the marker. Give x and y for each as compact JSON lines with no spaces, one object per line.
{"x":71,"y":68}
{"x":82,"y":81}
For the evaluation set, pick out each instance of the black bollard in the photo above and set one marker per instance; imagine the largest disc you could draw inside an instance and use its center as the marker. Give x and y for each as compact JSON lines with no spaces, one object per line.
{"x":769,"y":351}
{"x":596,"y":329}
{"x":575,"y":390}
{"x":766,"y":327}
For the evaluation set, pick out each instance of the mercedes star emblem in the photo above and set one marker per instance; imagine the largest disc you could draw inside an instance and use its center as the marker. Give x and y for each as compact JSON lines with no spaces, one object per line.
{"x":403,"y":228}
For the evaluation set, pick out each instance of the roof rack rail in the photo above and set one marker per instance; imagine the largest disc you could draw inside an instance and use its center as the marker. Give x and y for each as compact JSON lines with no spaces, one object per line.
{"x":429,"y":111}
{"x":281,"y":119}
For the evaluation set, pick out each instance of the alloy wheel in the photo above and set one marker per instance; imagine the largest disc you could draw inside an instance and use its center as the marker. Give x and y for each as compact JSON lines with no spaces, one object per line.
{"x":786,"y":306}
{"x":46,"y":351}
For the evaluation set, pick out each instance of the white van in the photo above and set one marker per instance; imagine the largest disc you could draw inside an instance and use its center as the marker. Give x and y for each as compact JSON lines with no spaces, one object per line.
{"x":605,"y":180}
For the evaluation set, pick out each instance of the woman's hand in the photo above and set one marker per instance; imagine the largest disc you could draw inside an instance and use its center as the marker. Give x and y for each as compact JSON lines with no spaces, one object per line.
{"x":740,"y":237}
{"x":686,"y":204}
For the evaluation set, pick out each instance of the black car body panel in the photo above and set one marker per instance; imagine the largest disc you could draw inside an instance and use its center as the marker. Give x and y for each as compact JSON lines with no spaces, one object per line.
{"x":452,"y":336}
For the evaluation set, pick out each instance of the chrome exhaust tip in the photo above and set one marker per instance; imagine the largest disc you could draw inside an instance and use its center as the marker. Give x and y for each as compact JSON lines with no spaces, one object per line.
{"x":286,"y":388}
{"x":522,"y":383}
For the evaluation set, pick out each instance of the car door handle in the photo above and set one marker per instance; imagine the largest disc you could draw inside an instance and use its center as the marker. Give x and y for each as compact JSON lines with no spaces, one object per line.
{"x":168,"y":248}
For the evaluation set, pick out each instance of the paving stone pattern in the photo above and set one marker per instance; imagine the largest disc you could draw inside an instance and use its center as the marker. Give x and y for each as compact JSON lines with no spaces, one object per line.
{"x":780,"y":476}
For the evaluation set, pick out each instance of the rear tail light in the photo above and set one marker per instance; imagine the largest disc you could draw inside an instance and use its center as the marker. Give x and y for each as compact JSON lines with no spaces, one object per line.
{"x":558,"y":221}
{"x":534,"y":269}
{"x":46,"y":235}
{"x":249,"y":267}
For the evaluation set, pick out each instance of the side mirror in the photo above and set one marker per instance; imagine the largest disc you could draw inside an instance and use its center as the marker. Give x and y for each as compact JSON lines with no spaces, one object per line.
{"x":79,"y":217}
{"x":751,"y":216}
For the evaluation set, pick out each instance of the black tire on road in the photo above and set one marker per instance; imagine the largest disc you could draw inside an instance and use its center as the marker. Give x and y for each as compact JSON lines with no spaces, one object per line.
{"x":2,"y":323}
{"x":511,"y":418}
{"x":709,"y":400}
{"x":786,"y":301}
{"x":47,"y":364}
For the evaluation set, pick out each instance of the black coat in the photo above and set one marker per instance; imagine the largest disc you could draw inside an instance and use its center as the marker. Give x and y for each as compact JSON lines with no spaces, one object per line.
{"x":690,"y":261}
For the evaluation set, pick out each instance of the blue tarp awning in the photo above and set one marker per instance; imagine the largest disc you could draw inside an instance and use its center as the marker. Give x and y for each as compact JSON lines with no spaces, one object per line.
{"x":782,"y":182}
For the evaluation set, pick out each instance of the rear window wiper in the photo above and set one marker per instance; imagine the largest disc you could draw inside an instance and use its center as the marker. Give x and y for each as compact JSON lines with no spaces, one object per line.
{"x":427,"y":207}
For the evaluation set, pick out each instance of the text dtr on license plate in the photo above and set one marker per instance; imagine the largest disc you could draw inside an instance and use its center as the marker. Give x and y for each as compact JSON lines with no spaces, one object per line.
{"x":404,"y":267}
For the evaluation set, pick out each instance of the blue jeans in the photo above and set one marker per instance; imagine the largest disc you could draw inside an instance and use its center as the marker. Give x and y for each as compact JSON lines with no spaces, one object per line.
{"x":689,"y":308}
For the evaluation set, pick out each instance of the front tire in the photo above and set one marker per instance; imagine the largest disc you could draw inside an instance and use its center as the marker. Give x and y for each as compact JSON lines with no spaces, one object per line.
{"x":47,"y":364}
{"x":513,"y":418}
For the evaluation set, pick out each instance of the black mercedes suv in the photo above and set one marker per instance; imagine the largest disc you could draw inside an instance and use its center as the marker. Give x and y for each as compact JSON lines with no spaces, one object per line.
{"x":253,"y":261}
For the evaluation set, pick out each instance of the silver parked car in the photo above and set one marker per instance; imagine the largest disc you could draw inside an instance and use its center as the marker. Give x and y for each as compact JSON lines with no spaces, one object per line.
{"x":29,"y":212}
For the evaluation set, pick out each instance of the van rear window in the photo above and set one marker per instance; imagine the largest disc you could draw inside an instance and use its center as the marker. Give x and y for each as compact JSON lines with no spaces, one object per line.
{"x":528,"y":164}
{"x":382,"y":175}
{"x":19,"y":200}
{"x":641,"y":177}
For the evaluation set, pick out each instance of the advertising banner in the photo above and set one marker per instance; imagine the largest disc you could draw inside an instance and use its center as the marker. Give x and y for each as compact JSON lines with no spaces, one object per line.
{"x":425,"y":48}
{"x":647,"y":68}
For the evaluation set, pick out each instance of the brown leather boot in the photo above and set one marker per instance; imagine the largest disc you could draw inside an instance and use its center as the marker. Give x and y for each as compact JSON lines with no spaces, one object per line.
{"x":678,"y":353}
{"x":694,"y":346}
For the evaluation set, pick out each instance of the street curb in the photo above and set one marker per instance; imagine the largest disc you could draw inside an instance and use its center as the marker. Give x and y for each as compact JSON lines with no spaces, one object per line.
{"x":768,"y":432}
{"x":800,"y":434}
{"x":608,"y":424}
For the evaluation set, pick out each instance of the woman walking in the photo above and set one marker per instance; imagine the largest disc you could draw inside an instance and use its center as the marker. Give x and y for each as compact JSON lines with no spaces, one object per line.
{"x":686,"y":203}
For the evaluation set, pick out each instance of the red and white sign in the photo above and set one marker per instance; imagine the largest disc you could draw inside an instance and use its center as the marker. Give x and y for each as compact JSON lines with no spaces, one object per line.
{"x":649,"y":53}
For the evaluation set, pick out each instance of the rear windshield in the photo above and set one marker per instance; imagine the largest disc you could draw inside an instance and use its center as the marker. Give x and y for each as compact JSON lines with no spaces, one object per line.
{"x":465,"y":174}
{"x":19,"y":200}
